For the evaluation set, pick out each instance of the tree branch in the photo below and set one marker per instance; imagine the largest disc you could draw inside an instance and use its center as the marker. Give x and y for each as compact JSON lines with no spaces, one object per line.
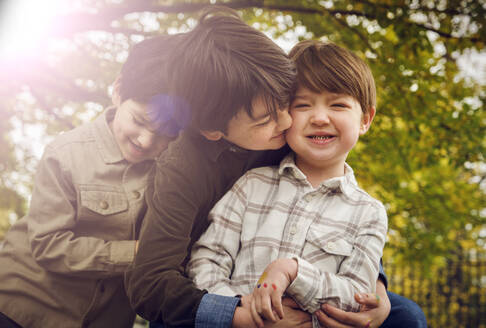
{"x":79,"y":22}
{"x":448,"y":11}
{"x":361,"y":36}
{"x":445,"y":34}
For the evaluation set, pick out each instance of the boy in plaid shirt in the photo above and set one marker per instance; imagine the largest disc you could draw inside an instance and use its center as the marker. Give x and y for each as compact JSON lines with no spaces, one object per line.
{"x":304,"y":227}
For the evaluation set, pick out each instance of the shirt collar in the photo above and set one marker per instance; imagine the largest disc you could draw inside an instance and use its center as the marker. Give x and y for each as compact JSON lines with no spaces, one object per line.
{"x":345,"y":184}
{"x":105,"y":140}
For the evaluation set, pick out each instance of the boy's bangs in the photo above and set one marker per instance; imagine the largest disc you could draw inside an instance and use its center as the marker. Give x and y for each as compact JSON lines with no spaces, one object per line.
{"x":328,"y":67}
{"x":319,"y":80}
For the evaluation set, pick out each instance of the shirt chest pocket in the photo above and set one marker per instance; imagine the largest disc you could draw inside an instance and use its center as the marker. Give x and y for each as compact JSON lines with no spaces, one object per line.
{"x":326,"y":248}
{"x":101,"y":200}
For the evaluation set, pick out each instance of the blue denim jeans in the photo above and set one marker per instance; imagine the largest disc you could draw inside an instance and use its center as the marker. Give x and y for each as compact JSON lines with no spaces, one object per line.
{"x":404,"y":313}
{"x":6,"y":322}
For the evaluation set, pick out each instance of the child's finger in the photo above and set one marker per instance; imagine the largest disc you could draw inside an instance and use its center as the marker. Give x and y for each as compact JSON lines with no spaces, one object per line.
{"x":267,"y":311}
{"x":370,"y":300}
{"x":277,"y":304}
{"x":258,"y":303}
{"x":254,"y":313}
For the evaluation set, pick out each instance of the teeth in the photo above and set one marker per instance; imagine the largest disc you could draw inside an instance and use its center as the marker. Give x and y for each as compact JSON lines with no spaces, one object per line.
{"x":321,"y":137}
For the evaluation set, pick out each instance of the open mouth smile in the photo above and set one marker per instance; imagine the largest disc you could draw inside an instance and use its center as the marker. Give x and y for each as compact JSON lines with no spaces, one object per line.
{"x":138,"y":150}
{"x":321,"y":139}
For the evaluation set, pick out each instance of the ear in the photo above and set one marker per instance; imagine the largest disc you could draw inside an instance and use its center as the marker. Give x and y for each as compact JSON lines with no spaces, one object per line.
{"x":212,"y":135}
{"x":366,"y":120}
{"x":115,"y":96}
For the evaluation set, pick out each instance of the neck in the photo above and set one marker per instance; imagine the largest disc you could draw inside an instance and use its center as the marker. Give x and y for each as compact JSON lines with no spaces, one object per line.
{"x":318,"y":174}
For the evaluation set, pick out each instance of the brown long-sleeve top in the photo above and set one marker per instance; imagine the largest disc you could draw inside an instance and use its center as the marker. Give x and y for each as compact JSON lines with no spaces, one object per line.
{"x":189,"y":178}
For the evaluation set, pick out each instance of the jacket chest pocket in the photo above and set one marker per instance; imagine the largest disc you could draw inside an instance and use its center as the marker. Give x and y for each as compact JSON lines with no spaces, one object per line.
{"x":99,"y":201}
{"x":326,"y":248}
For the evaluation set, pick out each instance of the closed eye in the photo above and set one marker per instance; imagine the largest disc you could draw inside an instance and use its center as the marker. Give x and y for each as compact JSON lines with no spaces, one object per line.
{"x":340,"y":105}
{"x":136,"y":121}
{"x":265,"y":122}
{"x":301,"y":106}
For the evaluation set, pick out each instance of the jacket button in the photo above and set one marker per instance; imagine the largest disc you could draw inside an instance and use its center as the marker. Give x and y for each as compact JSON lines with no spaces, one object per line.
{"x":104,"y":204}
{"x":136,"y":194}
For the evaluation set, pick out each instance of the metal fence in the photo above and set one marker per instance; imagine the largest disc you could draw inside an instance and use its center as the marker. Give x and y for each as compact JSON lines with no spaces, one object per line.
{"x":453,"y":295}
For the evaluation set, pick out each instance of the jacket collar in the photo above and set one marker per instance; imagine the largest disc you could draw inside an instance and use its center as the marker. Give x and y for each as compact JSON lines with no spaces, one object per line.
{"x":105,"y":140}
{"x":214,"y":149}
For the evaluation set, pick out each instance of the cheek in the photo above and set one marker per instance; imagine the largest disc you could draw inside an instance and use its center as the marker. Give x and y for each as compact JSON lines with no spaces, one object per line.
{"x":290,"y":135}
{"x":296,"y":127}
{"x":123,"y":130}
{"x":353,"y":131}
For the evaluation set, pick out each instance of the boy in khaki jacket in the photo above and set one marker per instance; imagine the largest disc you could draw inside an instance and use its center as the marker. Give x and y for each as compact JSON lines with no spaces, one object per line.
{"x":62,"y":264}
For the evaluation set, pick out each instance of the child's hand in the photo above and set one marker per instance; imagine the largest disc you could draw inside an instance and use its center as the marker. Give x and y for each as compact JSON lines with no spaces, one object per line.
{"x":267,"y":296}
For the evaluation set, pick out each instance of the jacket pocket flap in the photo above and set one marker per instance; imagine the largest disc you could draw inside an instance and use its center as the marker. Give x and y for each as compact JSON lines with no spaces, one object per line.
{"x":104,"y":202}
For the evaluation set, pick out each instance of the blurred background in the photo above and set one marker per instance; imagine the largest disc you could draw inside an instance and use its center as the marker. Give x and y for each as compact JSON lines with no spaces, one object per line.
{"x":424,"y":156}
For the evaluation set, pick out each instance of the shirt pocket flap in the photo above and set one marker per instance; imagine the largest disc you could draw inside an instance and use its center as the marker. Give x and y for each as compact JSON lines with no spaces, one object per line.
{"x":104,"y":202}
{"x":330,"y":242}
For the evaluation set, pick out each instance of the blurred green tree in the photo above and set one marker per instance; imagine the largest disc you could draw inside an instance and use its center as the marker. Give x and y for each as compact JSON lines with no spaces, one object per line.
{"x":424,"y":155}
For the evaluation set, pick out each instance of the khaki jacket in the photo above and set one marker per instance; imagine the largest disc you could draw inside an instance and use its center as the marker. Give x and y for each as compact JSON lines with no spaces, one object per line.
{"x":62,"y":264}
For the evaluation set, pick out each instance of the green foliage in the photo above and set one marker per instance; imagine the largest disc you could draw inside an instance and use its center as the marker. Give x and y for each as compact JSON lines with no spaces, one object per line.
{"x":423,"y":157}
{"x":450,"y":293}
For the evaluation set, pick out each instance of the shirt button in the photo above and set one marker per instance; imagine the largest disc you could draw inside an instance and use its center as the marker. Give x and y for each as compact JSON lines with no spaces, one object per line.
{"x":104,"y":204}
{"x":136,"y":194}
{"x":293,"y":230}
{"x":308,"y":197}
{"x":331,"y":245}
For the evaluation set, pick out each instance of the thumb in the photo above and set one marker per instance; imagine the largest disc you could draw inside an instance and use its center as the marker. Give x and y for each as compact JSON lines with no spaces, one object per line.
{"x":369,"y":300}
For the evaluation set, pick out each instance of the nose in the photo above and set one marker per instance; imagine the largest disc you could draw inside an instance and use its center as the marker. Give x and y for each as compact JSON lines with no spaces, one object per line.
{"x":320,"y":116}
{"x":146,"y":139}
{"x":284,"y":120}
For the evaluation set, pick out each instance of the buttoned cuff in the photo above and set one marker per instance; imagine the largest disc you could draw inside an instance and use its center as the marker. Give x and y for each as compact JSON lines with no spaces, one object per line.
{"x":306,"y":286}
{"x":216,"y":311}
{"x":122,"y":252}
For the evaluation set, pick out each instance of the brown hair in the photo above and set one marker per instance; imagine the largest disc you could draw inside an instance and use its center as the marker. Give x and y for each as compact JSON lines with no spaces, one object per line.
{"x":223,"y":65}
{"x":144,"y":78}
{"x":144,"y":74}
{"x":327,"y":66}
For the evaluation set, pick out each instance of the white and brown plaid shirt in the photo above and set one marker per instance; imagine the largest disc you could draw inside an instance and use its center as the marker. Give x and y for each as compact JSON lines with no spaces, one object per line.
{"x":335,"y":231}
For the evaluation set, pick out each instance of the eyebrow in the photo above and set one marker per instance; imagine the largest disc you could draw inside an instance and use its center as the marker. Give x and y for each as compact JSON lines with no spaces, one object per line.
{"x":301,"y":96}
